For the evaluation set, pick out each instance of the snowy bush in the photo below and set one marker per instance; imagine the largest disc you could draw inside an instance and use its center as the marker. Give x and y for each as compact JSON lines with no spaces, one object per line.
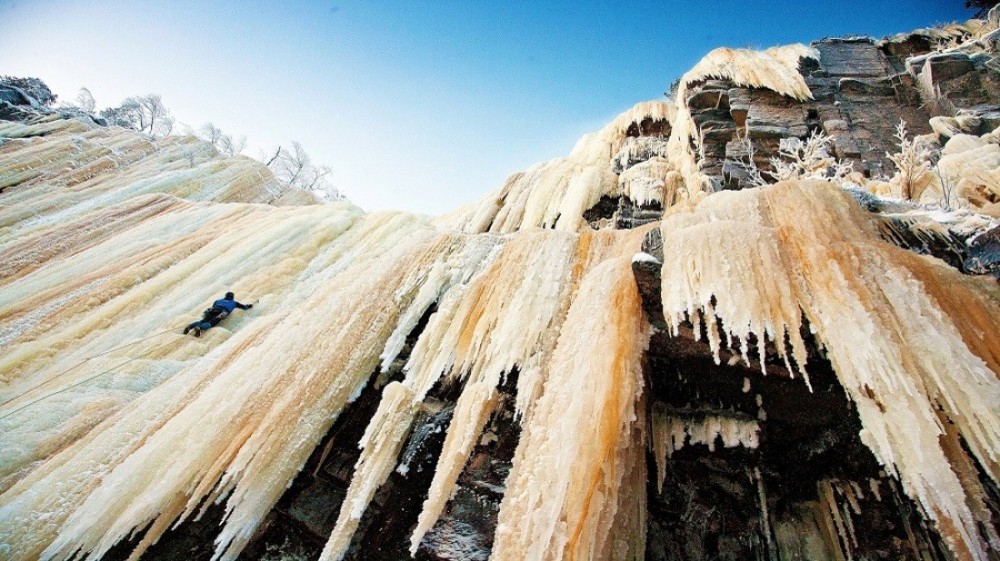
{"x":913,"y":162}
{"x":808,"y":159}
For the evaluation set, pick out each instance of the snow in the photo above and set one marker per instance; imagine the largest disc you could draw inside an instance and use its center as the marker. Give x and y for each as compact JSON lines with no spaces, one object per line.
{"x":776,"y":69}
{"x":643,"y":257}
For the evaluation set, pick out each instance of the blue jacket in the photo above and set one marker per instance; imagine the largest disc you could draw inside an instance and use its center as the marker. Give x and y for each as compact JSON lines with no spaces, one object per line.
{"x":229,"y":305}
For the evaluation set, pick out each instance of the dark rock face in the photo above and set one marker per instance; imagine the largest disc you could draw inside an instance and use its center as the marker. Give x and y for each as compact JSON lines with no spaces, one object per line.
{"x":856,"y":56}
{"x":15,"y":105}
{"x":944,"y":67}
{"x":976,"y":254}
{"x":861,"y":89}
{"x":14,"y":96}
{"x":766,"y":503}
{"x":983,"y":254}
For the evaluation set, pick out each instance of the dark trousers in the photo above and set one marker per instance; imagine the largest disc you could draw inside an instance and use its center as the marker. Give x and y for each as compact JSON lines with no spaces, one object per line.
{"x":208,"y":320}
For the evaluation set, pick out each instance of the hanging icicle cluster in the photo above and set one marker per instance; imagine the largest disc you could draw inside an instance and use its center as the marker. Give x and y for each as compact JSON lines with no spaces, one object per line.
{"x":921,"y":348}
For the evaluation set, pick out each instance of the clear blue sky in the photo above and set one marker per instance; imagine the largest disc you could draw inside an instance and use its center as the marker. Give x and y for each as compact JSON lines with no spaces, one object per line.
{"x":419,"y":105}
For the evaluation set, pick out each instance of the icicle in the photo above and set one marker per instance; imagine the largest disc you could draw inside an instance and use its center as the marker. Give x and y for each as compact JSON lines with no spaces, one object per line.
{"x":873,"y":484}
{"x":471,"y":414}
{"x":765,"y":516}
{"x":555,"y":194}
{"x":565,"y":488}
{"x":931,"y":336}
{"x":829,"y":502}
{"x":267,"y":404}
{"x":651,"y":181}
{"x":380,"y":446}
{"x":670,"y":433}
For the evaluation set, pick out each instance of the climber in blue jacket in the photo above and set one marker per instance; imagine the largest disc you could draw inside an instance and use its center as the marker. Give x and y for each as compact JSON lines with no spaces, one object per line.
{"x":219,"y":311}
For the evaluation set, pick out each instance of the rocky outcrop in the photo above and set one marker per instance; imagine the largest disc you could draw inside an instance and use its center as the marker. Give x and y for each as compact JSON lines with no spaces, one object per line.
{"x":15,"y":105}
{"x":860,"y":90}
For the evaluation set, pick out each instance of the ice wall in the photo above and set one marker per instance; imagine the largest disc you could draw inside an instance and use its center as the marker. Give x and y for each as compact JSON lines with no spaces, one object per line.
{"x":100,"y":386}
{"x":111,"y":422}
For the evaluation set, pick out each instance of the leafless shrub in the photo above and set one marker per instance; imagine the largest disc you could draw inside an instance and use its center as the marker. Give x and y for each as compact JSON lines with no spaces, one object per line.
{"x":224,"y":143}
{"x":809,"y":159}
{"x":912,"y":160}
{"x":947,"y":186}
{"x":797,"y":159}
{"x":747,"y":160}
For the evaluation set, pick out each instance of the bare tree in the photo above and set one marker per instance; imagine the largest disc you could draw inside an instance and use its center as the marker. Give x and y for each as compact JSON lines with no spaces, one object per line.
{"x":224,"y":143}
{"x":293,"y":167}
{"x":912,"y":161}
{"x":142,"y":113}
{"x":85,"y":100}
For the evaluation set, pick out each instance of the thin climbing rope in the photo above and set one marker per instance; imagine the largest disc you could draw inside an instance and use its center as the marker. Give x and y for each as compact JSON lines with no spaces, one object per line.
{"x":84,"y":381}
{"x":77,"y":365}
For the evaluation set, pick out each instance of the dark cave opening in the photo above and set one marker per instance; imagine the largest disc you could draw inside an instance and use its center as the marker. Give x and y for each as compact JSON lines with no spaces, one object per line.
{"x":809,"y":489}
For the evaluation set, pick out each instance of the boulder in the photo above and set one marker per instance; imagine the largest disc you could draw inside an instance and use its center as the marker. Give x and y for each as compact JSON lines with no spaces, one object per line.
{"x":961,"y":143}
{"x":983,"y":254}
{"x":947,"y":127}
{"x":14,"y":96}
{"x":948,"y":66}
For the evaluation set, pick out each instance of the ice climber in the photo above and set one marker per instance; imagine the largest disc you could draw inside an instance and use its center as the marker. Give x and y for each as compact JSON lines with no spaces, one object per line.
{"x":219,"y":311}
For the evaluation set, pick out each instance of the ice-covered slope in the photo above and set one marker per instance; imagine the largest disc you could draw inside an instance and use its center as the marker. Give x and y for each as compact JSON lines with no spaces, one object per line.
{"x":112,"y":423}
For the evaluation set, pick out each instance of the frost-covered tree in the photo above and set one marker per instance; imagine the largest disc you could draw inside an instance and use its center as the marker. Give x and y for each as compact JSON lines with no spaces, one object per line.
{"x":126,"y":115}
{"x":797,"y":159}
{"x":224,"y":143}
{"x":294,"y":167}
{"x":748,"y":162}
{"x":85,"y":100}
{"x":142,"y":113}
{"x":33,"y":87}
{"x":155,"y":117}
{"x":913,"y":160}
{"x":671,"y":93}
{"x":291,"y":165}
{"x":808,"y":159}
